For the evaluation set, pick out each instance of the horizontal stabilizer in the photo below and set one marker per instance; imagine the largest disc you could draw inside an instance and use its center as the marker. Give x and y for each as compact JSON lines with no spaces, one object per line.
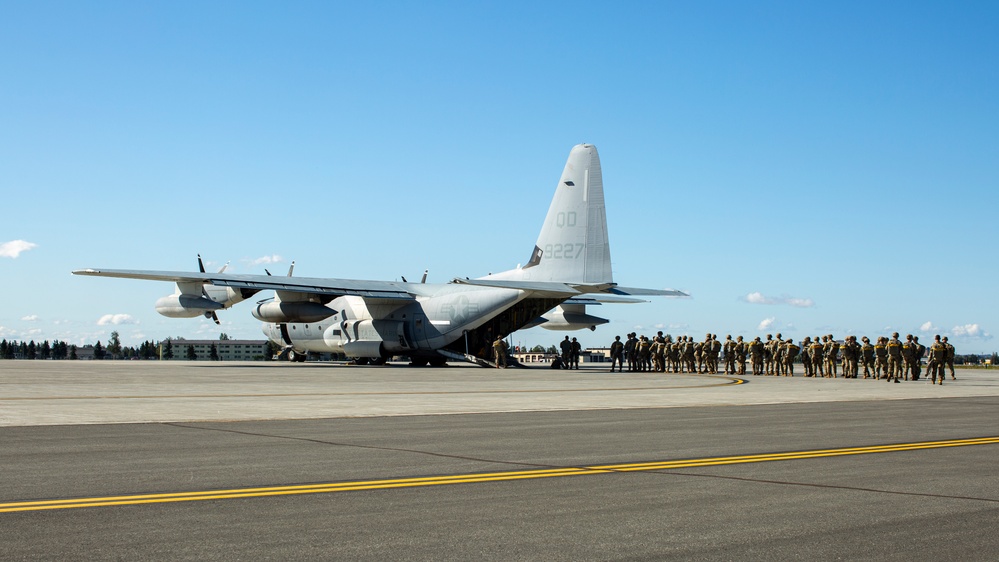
{"x":632,"y":291}
{"x":543,"y":288}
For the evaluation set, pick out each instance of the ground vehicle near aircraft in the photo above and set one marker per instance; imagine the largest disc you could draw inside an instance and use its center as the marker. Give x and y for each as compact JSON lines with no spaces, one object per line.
{"x":569,"y":268}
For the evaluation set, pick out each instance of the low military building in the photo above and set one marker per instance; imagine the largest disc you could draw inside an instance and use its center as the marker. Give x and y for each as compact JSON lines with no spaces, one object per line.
{"x":227,"y":350}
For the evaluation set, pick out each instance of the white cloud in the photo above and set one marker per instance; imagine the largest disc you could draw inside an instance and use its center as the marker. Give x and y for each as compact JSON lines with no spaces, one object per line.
{"x":30,"y":318}
{"x":34,"y":331}
{"x":766,"y":323}
{"x":760,"y":298}
{"x":928,"y":327}
{"x":14,"y":248}
{"x":971,"y":331}
{"x":266,"y":260}
{"x":116,"y":319}
{"x":5,"y":331}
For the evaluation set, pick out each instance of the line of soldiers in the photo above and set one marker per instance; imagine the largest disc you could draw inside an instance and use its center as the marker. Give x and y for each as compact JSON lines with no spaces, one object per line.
{"x":888,"y":359}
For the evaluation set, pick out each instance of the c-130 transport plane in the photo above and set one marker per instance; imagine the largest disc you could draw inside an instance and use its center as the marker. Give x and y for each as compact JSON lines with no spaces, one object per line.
{"x":371,"y":321}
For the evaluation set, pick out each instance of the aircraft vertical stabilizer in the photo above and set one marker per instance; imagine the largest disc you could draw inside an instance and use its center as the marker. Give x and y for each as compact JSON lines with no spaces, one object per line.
{"x":573,"y":245}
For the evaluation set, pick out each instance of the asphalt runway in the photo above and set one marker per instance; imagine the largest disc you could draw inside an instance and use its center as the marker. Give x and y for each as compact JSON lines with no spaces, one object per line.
{"x":194,"y":461}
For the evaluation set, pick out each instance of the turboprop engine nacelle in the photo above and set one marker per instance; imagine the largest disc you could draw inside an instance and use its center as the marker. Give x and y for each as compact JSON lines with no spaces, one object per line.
{"x":186,"y":306}
{"x":280,"y":312}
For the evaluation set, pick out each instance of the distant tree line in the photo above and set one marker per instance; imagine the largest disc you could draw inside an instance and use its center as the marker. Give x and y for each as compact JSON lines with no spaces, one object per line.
{"x":113,"y":349}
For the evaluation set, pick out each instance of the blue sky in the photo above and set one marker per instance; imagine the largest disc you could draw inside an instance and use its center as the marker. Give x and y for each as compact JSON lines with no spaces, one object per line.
{"x":797,"y":167}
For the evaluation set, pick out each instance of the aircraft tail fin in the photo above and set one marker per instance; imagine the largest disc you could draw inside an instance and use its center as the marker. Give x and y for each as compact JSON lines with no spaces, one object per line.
{"x":573,"y":246}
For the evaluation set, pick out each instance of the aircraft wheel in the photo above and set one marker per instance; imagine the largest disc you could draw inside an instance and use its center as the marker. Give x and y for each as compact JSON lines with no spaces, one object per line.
{"x":378,"y":360}
{"x":419,"y":361}
{"x":296,"y":357}
{"x":361,"y":360}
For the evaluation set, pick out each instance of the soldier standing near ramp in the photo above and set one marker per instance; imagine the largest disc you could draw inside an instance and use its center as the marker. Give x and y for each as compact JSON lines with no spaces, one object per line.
{"x":631,"y":351}
{"x":499,"y":350}
{"x":617,"y":354}
{"x":566,"y":348}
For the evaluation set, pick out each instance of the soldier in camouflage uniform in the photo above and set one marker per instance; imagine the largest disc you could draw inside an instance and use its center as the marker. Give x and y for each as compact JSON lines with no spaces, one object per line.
{"x":831,"y":352}
{"x":689,"y":355}
{"x":790,"y":352}
{"x":894,"y":357}
{"x":777,"y":351}
{"x":756,"y":351}
{"x":908,"y":356}
{"x":950,"y":359}
{"x":716,"y":347}
{"x":631,"y":351}
{"x":768,"y":355}
{"x":658,"y":348}
{"x":740,"y":355}
{"x":918,"y":350}
{"x":938,"y":358}
{"x":806,"y":358}
{"x":818,"y":361}
{"x":729,"y":349}
{"x":851,"y":355}
{"x":674,"y":355}
{"x":617,"y":354}
{"x":881,"y":358}
{"x":867,"y":357}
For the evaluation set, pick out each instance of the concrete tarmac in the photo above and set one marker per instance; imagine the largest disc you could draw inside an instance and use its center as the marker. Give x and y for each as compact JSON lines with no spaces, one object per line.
{"x":135,"y":460}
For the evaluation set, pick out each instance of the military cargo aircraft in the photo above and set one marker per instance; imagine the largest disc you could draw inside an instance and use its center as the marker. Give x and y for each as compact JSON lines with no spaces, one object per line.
{"x":371,"y":321}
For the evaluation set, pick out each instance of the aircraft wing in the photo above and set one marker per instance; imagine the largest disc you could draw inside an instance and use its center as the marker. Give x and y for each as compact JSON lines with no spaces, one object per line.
{"x":311,"y":285}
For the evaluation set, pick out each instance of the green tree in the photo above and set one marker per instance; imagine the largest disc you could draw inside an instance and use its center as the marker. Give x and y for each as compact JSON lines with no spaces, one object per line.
{"x":191,"y":355}
{"x":538,"y":349}
{"x":45,"y":350}
{"x":224,"y":336}
{"x":995,"y":359}
{"x":72,"y":353}
{"x":114,"y":345}
{"x":213,"y":353}
{"x":32,"y":351}
{"x":99,"y":352}
{"x":168,"y":350}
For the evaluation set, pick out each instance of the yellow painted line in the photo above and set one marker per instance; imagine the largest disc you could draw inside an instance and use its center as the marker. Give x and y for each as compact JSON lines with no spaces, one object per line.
{"x":476,"y":477}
